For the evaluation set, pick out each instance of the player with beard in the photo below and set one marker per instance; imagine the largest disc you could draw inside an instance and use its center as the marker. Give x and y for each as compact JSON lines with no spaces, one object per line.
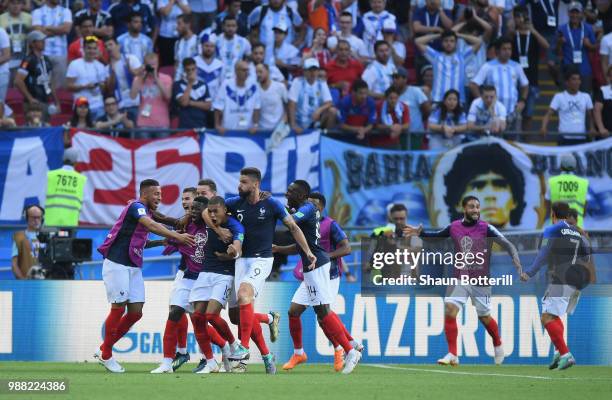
{"x":122,"y":267}
{"x":470,"y":235}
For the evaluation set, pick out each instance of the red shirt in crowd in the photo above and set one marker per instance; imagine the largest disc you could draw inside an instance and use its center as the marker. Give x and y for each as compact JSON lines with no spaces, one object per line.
{"x":75,"y":50}
{"x":348,"y":72}
{"x":399,"y":115}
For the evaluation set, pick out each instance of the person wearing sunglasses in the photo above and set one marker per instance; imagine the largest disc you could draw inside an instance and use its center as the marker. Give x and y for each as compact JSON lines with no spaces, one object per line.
{"x":114,"y":119}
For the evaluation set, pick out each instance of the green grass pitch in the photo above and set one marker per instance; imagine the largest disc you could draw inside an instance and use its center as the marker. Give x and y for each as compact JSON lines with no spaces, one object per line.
{"x":318,"y":381}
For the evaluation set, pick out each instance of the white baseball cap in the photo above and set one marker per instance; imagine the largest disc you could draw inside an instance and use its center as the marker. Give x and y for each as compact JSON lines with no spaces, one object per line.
{"x":389,"y":26}
{"x":311,"y":63}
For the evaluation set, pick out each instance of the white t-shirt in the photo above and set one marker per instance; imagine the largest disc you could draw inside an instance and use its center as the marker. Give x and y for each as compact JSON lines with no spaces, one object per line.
{"x":275,"y":73}
{"x":124,"y":79}
{"x":273,"y":103}
{"x":358,"y":46}
{"x":5,"y":42}
{"x":605,"y":48}
{"x":53,"y":16}
{"x":88,"y":72}
{"x":378,"y":76}
{"x":572,"y":111}
{"x":237,"y":104}
{"x":308,"y":97}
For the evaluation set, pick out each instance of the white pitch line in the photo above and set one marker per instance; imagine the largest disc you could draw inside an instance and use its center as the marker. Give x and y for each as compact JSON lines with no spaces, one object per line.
{"x":440,"y":371}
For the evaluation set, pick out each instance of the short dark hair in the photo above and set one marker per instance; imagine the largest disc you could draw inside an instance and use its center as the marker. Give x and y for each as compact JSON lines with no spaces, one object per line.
{"x":132,"y":15}
{"x":573,"y":213}
{"x":378,"y":44}
{"x":110,"y":39}
{"x":251,"y":172}
{"x":147,"y":183}
{"x":467,"y":199}
{"x":84,"y":18}
{"x":187,"y":18}
{"x":487,"y":88}
{"x":571,"y":71}
{"x":202,"y":200}
{"x":397,"y":207}
{"x":188,"y":61}
{"x":208,"y":182}
{"x":258,"y":44}
{"x":229,"y":18}
{"x":392,"y":89}
{"x":502,"y":41}
{"x":560,"y":209}
{"x":448,"y":33}
{"x":190,"y":189}
{"x":303,"y":185}
{"x":216,"y":201}
{"x":346,"y":14}
{"x":319,"y":196}
{"x":359,"y":84}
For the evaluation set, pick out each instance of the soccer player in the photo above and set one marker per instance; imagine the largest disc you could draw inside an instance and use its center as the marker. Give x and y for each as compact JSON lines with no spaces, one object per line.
{"x":470,"y":235}
{"x":259,"y":218}
{"x":336,"y":244}
{"x":568,"y":255}
{"x":316,"y":274}
{"x":121,"y":269}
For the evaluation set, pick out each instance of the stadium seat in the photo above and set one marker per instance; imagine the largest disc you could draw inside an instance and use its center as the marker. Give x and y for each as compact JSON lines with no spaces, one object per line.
{"x":15,"y":100}
{"x":60,"y":119}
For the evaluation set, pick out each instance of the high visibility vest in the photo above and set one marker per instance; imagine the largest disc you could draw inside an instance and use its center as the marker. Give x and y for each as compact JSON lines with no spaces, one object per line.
{"x":64,"y":197}
{"x":571,"y":189}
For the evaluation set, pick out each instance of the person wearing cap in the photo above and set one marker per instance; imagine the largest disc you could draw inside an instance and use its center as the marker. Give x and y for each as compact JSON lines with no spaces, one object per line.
{"x":569,"y":188}
{"x":373,"y":21}
{"x":65,"y":188}
{"x":81,"y":118}
{"x":284,"y":55}
{"x":418,"y":104}
{"x":133,"y":41}
{"x":343,"y":70}
{"x":378,"y":74}
{"x":34,"y":78}
{"x":210,"y":68}
{"x":55,"y":22}
{"x":574,"y":42}
{"x":398,"y":49}
{"x":310,"y":101}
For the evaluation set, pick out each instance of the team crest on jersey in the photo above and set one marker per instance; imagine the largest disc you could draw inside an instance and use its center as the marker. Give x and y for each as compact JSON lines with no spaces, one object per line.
{"x":262,"y":213}
{"x":466,"y":244}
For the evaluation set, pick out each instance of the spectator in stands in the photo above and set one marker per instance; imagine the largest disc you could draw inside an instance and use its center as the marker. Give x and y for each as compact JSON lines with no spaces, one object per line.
{"x":392,"y":118}
{"x":310,"y":102}
{"x":418,"y":104}
{"x":448,"y":64}
{"x":169,"y":10}
{"x":24,"y":255}
{"x":155,"y":91}
{"x":257,"y":57}
{"x":378,"y":74}
{"x":605,"y":51}
{"x":573,"y":108}
{"x":267,"y":17}
{"x":273,"y":99}
{"x":103,"y":24}
{"x":210,"y":68}
{"x":121,"y":16}
{"x":204,"y":12}
{"x":88,"y":77}
{"x":5,"y":58}
{"x":431,"y":18}
{"x":191,"y":97}
{"x":358,"y":47}
{"x":373,"y":22}
{"x":323,"y":14}
{"x":188,"y":45}
{"x":123,"y":69}
{"x":86,"y":28}
{"x":238,"y":102}
{"x":507,"y":76}
{"x":81,"y":115}
{"x":207,"y":188}
{"x":284,"y":55}
{"x":114,"y":119}
{"x":343,"y":70}
{"x":55,"y":22}
{"x":426,"y":80}
{"x":358,"y":112}
{"x":231,"y":47}
{"x":17,"y":24}
{"x":487,"y":115}
{"x":603,"y":106}
{"x":447,"y":122}
{"x":398,"y":49}
{"x":34,"y":116}
{"x":575,"y":40}
{"x":318,"y":49}
{"x":134,"y":42}
{"x":34,"y":79}
{"x":526,"y":51}
{"x":5,"y":116}
{"x":233,"y":9}
{"x":544,"y":18}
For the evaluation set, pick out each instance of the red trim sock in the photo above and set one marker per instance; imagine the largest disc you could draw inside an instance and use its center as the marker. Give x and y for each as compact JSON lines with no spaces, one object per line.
{"x":127,"y":321}
{"x":262,"y":318}
{"x":170,"y":335}
{"x":346,"y":332}
{"x":247,"y":320}
{"x":221,"y":326}
{"x":110,"y":331}
{"x":258,"y":338}
{"x":181,"y":332}
{"x":335,"y":329}
{"x":201,"y":334}
{"x":555,"y":331}
{"x":295,"y":329}
{"x":451,"y":331}
{"x":329,"y":336}
{"x":493,"y":330}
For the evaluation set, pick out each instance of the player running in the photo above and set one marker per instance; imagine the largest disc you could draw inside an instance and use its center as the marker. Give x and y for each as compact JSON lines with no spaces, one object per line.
{"x":122,"y":267}
{"x":568,"y":255}
{"x":317,"y":275}
{"x":470,"y":235}
{"x":258,"y":216}
{"x":214,"y":285}
{"x":335,"y":242}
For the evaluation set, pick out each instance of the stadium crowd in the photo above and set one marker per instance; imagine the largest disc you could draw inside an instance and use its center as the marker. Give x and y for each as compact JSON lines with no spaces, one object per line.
{"x":455,"y":69}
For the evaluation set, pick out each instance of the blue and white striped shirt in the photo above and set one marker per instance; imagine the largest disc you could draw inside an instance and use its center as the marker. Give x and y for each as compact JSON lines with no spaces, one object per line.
{"x":138,"y":46}
{"x":449,"y":71}
{"x":506,"y":78}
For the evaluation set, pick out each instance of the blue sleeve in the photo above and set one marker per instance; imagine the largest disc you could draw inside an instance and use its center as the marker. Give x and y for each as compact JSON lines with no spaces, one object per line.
{"x":343,"y":110}
{"x":542,"y":256}
{"x":372,"y":109}
{"x":230,"y":203}
{"x":280,"y":212}
{"x":419,"y":15}
{"x":591,"y":34}
{"x":337,"y":234}
{"x":254,"y":17}
{"x":304,"y":212}
{"x":236,"y":228}
{"x":137,"y":210}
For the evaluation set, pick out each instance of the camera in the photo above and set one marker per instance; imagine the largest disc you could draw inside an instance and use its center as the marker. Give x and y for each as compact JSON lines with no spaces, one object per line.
{"x":60,"y":251}
{"x":149,"y":69}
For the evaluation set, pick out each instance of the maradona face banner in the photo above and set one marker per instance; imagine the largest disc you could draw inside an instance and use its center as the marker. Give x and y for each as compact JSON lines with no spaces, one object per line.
{"x":510,"y":179}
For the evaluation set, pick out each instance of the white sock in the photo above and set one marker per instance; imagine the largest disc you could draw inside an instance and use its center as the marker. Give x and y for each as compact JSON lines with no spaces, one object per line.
{"x":338,"y":348}
{"x":211,"y":362}
{"x":298,"y":352}
{"x":167,"y":361}
{"x":236,"y":343}
{"x":270,"y":318}
{"x":182,"y":350}
{"x":226,"y":349}
{"x":353,"y":343}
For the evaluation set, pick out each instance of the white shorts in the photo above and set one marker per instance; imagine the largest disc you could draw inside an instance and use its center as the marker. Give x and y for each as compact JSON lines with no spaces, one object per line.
{"x":318,"y":286}
{"x":123,"y":283}
{"x":210,"y":285}
{"x":254,"y":271}
{"x":560,"y":299}
{"x":301,"y":294}
{"x":181,"y":290}
{"x":480,"y":295}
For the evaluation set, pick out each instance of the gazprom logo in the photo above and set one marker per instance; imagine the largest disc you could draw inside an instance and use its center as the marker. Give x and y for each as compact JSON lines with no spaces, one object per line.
{"x":146,"y":342}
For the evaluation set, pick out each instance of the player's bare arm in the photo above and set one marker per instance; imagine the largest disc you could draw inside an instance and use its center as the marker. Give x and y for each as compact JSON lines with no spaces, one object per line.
{"x":223,"y":233}
{"x":161,"y":230}
{"x":233,"y":252}
{"x":285,"y":250}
